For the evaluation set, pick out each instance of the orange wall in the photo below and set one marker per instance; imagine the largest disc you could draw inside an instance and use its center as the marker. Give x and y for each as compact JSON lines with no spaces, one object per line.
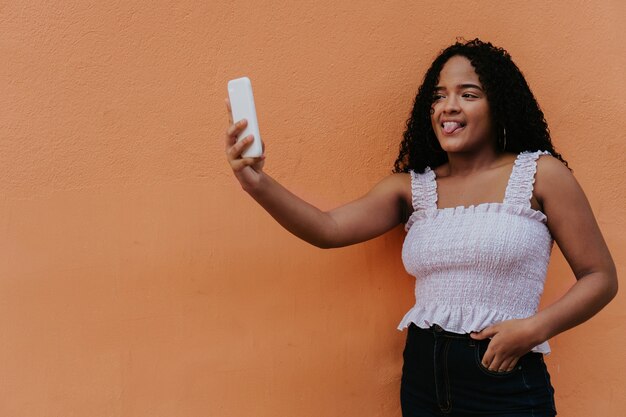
{"x":137,"y":279}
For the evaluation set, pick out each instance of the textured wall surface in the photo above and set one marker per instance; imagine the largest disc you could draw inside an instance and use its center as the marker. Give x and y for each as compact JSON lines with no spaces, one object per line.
{"x":137,"y":279}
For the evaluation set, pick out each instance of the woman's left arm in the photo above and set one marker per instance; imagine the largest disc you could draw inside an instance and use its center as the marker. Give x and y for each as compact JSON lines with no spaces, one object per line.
{"x":574,"y":228}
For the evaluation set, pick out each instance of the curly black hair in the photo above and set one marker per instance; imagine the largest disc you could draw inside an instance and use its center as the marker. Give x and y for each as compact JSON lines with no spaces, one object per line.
{"x":513,"y":107}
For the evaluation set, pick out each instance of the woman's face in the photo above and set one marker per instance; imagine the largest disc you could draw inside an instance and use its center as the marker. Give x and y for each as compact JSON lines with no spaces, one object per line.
{"x":460,"y":113}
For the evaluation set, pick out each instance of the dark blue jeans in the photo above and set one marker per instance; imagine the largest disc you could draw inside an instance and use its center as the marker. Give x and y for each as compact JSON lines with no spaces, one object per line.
{"x":443,"y":376}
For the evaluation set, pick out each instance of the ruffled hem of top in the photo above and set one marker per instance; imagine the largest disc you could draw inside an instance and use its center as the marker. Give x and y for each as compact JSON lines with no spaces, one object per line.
{"x":521,"y":185}
{"x":515,"y":210}
{"x":474,"y":320}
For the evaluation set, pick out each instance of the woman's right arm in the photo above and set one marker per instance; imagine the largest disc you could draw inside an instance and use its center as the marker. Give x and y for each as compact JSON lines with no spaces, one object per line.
{"x":381,"y":209}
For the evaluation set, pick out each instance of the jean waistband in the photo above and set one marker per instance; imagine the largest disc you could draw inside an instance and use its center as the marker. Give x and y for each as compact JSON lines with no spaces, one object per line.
{"x":438,"y":331}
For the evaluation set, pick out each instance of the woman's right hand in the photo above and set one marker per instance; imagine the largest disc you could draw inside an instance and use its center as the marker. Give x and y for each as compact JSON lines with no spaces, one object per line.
{"x":248,"y":171}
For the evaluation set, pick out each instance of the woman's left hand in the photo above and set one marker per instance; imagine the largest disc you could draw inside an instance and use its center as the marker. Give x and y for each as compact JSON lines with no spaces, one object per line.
{"x":510,"y":340}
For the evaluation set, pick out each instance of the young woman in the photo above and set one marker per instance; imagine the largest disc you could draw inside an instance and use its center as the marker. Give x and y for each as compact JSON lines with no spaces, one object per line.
{"x":483,"y":194}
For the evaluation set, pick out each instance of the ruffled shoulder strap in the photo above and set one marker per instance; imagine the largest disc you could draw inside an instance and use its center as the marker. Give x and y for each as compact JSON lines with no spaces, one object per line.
{"x":519,"y":190}
{"x":424,"y":190}
{"x":423,"y":193}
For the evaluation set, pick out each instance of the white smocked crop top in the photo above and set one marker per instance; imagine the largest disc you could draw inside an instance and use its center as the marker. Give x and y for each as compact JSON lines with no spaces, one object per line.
{"x":479,"y":265}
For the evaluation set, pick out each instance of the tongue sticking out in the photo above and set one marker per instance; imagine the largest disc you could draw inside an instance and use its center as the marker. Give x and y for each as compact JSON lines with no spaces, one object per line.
{"x":451,"y":127}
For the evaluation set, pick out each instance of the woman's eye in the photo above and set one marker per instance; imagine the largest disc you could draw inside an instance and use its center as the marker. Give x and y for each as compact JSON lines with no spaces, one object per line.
{"x":470,"y":95}
{"x":437,"y":97}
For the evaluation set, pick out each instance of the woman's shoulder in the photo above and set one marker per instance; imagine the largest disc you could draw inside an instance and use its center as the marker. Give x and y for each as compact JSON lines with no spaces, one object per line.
{"x":551,"y":175}
{"x":397,"y":179}
{"x":551,"y":168}
{"x":398,"y":184}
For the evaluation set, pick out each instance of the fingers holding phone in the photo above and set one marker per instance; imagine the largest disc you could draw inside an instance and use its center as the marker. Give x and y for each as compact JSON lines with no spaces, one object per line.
{"x":246,"y":169}
{"x":237,"y":144}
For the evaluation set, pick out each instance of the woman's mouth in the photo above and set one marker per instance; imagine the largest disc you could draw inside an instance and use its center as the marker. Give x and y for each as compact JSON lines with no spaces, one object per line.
{"x":450,"y":128}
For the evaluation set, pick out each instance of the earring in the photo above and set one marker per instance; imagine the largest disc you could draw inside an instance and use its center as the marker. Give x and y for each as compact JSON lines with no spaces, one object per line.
{"x":504,"y":138}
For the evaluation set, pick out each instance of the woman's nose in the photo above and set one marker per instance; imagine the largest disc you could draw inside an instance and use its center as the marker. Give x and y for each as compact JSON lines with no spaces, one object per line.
{"x":451,"y":104}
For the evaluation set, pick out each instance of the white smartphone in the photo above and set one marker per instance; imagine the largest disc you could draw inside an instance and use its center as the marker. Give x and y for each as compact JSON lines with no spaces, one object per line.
{"x":242,"y":106}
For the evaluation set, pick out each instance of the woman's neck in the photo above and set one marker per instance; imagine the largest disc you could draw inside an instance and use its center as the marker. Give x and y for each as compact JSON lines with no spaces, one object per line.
{"x":464,"y":164}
